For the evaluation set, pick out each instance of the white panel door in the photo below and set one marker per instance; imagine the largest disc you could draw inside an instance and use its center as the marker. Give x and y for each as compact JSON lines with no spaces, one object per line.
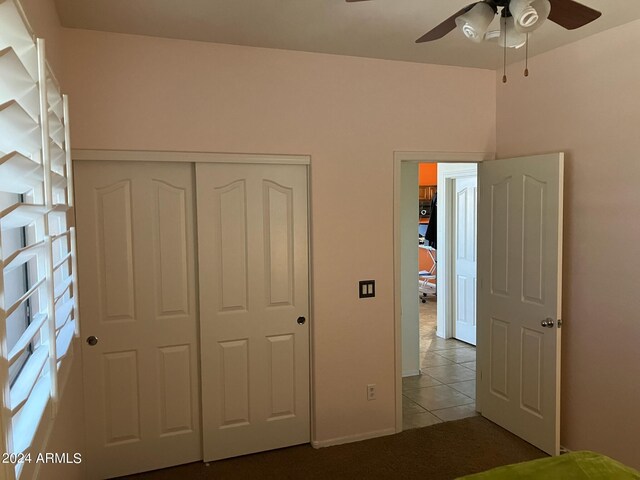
{"x":519,"y":268}
{"x":137,"y":272}
{"x":465,"y":256}
{"x":253,"y":267}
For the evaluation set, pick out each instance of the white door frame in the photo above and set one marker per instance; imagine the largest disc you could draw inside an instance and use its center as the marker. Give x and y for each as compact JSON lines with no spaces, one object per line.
{"x":409,"y":253}
{"x":186,"y":157}
{"x":414,"y":157}
{"x":234,"y":158}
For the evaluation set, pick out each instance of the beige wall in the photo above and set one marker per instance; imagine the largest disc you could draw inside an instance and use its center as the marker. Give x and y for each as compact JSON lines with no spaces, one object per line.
{"x":349,"y":114}
{"x":583,"y":99}
{"x":66,"y":433}
{"x":43,"y":18}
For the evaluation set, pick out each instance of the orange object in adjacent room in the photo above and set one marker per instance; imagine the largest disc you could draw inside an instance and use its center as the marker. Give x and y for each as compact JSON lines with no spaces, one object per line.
{"x":428,"y":174}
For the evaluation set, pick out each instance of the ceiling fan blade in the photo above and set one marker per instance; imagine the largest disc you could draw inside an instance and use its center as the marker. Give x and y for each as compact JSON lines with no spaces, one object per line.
{"x":445,"y":27}
{"x":572,"y":15}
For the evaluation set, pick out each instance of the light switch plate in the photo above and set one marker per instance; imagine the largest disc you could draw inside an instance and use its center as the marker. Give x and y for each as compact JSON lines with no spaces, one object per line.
{"x":367,"y":288}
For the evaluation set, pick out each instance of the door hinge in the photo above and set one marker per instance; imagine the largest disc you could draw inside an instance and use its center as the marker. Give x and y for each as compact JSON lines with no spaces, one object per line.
{"x":559,"y":322}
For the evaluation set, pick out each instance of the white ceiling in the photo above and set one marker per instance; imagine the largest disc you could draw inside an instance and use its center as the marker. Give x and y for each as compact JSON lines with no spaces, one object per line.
{"x":377,"y":28}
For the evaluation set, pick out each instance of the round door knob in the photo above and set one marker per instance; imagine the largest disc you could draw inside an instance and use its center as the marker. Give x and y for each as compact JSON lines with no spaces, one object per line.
{"x":548,"y":323}
{"x":301,"y":320}
{"x":92,"y":340}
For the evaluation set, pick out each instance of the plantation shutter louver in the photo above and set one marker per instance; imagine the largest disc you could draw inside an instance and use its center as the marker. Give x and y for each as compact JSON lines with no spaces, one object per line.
{"x":35,"y":169}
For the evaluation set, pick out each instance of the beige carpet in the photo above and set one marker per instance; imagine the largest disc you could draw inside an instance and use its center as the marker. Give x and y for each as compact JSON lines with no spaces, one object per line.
{"x":443,"y":451}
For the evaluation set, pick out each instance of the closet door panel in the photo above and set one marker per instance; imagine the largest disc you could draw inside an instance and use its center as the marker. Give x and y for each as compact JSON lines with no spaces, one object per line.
{"x":253,"y":264}
{"x":135,"y":224}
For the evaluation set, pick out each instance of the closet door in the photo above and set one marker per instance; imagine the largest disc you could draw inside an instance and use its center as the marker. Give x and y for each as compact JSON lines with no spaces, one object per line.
{"x":254,"y":305}
{"x":138,"y":298}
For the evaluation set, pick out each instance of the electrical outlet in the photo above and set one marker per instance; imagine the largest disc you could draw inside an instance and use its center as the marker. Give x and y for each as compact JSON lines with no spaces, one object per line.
{"x":371,"y":391}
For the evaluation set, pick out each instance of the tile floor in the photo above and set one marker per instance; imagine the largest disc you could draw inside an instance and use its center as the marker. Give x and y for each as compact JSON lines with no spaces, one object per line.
{"x":446,"y":390}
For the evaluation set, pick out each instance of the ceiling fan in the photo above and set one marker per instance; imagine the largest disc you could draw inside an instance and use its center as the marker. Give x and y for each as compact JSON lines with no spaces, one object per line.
{"x":526,"y":15}
{"x":518,"y":18}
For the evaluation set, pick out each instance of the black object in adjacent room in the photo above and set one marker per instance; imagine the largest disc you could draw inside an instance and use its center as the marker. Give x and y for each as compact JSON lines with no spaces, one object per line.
{"x":431,"y":236}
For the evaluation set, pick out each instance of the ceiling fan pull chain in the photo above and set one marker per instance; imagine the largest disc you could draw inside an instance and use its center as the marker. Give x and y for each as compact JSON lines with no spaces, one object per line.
{"x":526,"y":57}
{"x":504,"y":61}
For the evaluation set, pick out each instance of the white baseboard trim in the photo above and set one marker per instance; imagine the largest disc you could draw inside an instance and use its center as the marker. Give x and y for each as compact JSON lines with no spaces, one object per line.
{"x":410,"y":373}
{"x":352,"y":438}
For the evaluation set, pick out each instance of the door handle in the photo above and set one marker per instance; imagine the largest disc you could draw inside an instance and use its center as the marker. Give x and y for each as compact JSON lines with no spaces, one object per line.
{"x":301,"y":320}
{"x":547,"y":323}
{"x":92,"y":341}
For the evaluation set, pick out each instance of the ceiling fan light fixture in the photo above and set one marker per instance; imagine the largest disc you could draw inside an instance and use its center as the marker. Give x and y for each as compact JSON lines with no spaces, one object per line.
{"x":529,"y":14}
{"x":475,"y":22}
{"x":492,"y":35}
{"x":509,"y":35}
{"x":529,"y":17}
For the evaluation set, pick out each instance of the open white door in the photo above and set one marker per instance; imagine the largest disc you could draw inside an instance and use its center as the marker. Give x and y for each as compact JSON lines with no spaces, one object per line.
{"x":519,"y":295}
{"x":254,"y":301}
{"x":464,"y":254}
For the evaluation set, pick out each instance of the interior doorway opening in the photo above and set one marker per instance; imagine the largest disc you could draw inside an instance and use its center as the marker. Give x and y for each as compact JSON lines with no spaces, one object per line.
{"x":407,"y":300}
{"x":519,"y":293}
{"x":439,"y":337}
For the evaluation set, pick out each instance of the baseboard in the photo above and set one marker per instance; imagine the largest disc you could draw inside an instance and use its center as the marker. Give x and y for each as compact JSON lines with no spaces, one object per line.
{"x":352,"y":438}
{"x":410,"y":373}
{"x":564,"y":450}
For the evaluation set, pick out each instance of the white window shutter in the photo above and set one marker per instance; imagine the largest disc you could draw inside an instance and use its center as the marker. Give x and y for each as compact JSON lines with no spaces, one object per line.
{"x":36,"y":175}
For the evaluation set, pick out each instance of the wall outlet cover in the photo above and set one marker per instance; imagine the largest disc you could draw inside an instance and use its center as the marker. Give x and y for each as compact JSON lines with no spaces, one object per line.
{"x":371,"y":391}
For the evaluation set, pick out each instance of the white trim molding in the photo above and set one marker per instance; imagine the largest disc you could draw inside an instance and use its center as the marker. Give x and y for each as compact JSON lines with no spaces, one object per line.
{"x":187,"y":157}
{"x":441,"y":157}
{"x":414,"y":157}
{"x":352,"y":438}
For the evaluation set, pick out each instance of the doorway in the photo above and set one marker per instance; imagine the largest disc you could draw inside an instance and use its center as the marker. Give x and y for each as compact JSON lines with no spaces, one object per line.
{"x":439,"y":335}
{"x":458,"y":212}
{"x":519,"y":290}
{"x":401,"y":176}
